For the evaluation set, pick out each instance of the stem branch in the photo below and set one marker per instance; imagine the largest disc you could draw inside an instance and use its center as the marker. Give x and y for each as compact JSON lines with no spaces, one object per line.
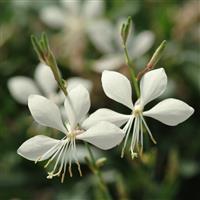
{"x":95,"y":169}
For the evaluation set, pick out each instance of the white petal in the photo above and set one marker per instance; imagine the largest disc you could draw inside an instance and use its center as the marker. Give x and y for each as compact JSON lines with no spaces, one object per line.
{"x":103,"y":135}
{"x":45,"y":78}
{"x":141,"y":44}
{"x":105,"y":115}
{"x":170,"y":112}
{"x":101,"y":34}
{"x":72,"y":7}
{"x":36,"y":147}
{"x":117,"y":87}
{"x":152,"y":85}
{"x":78,"y":104}
{"x":58,"y":98}
{"x":53,"y":16}
{"x":93,"y":9}
{"x":108,"y":62}
{"x":21,"y":87}
{"x":75,"y":81}
{"x":45,"y":112}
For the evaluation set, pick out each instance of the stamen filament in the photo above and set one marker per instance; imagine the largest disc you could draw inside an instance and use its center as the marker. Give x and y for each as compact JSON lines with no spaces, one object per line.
{"x":134,"y":137}
{"x":148,"y":130}
{"x":75,"y":157}
{"x":141,"y":137}
{"x":126,"y":129}
{"x":53,"y":156}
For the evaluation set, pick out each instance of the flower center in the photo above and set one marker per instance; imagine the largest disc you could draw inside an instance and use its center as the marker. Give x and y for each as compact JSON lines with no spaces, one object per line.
{"x":137,"y":110}
{"x":72,"y":135}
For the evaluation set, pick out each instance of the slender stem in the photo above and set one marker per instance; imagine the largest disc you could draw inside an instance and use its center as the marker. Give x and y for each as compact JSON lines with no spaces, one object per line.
{"x":132,"y":72}
{"x":98,"y":174}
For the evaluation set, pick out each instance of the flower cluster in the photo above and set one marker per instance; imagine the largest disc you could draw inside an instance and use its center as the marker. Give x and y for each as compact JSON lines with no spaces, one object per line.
{"x":104,"y":128}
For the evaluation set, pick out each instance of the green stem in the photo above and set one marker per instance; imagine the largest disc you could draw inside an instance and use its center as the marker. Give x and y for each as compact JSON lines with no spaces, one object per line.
{"x":132,"y":72}
{"x":98,"y":174}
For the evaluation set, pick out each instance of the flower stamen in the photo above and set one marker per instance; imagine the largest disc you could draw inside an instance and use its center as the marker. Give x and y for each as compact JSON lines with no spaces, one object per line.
{"x":148,"y":130}
{"x":134,"y":138}
{"x":127,"y":129}
{"x":64,"y":152}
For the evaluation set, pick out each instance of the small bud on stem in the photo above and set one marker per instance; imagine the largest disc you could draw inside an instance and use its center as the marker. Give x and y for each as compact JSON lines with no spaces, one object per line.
{"x":125,"y":29}
{"x":41,"y":47}
{"x":154,"y":60}
{"x":101,"y":161}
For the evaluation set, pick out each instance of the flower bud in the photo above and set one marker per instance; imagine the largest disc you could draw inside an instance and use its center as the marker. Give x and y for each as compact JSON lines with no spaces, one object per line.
{"x":101,"y":161}
{"x":125,"y":29}
{"x":157,"y":55}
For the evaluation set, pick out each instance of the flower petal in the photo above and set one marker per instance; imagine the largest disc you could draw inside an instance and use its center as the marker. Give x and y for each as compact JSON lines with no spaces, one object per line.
{"x":141,"y":44}
{"x":105,"y":115}
{"x":103,"y":135}
{"x":21,"y":87}
{"x":101,"y":34}
{"x":45,"y":112}
{"x":152,"y":85}
{"x":53,"y":16}
{"x":45,"y":78}
{"x":75,"y":81}
{"x":109,"y":62}
{"x":117,"y":87}
{"x":170,"y":111}
{"x":77,"y":104}
{"x":93,"y":9}
{"x":72,"y":7}
{"x":34,"y":148}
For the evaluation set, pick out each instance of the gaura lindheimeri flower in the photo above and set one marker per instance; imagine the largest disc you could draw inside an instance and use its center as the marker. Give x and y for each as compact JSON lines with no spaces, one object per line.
{"x":110,"y":43}
{"x":103,"y":135}
{"x":21,"y":87}
{"x":117,"y":87}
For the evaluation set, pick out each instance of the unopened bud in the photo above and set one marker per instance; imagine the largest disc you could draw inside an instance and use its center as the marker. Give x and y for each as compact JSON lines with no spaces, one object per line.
{"x":125,"y":29}
{"x":37,"y":47}
{"x":41,"y":47}
{"x":101,"y":161}
{"x":157,"y":55}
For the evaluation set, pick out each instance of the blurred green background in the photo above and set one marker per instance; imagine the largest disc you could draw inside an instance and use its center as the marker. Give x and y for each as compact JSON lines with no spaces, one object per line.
{"x":168,"y":170}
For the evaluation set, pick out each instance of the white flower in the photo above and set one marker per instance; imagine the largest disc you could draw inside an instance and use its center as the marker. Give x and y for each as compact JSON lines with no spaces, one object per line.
{"x":21,"y":87}
{"x":117,"y":87}
{"x":108,"y":40}
{"x":103,"y":135}
{"x":75,"y":18}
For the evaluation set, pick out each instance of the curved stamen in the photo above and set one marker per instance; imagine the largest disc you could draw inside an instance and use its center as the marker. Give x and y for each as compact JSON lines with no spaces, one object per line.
{"x":70,"y":159}
{"x":53,"y":156}
{"x":52,"y":173}
{"x":49,"y":151}
{"x":64,"y":153}
{"x":134,"y":137}
{"x":65,"y":158}
{"x":127,"y":129}
{"x":141,"y":137}
{"x":76,"y":158}
{"x":148,"y":130}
